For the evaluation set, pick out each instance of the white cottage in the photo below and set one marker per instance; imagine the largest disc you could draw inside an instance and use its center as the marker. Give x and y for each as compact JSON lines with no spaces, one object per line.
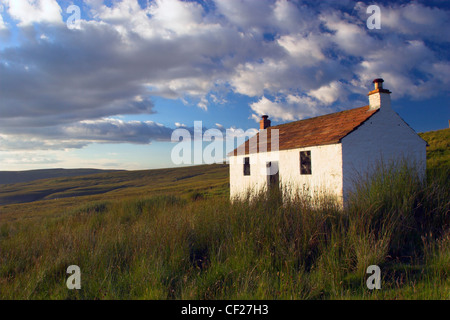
{"x":326,"y":153}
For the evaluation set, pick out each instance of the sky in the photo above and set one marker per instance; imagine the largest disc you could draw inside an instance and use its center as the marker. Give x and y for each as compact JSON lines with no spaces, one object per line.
{"x":108,"y":87}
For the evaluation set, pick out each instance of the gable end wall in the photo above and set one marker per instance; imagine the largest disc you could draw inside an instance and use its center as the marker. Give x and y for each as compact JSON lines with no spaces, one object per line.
{"x":383,"y":137}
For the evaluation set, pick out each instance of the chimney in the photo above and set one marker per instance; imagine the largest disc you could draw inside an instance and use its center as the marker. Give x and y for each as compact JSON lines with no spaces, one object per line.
{"x":379,"y":98}
{"x":264,"y":122}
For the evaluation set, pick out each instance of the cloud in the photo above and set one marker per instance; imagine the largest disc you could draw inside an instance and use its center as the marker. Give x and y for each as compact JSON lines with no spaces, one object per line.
{"x":10,"y":142}
{"x":15,"y":159}
{"x":82,"y":133}
{"x":246,"y":14}
{"x":408,"y":69}
{"x":329,"y":93}
{"x":2,"y":23}
{"x":28,"y":12}
{"x":289,"y":108}
{"x":70,"y":78}
{"x":295,"y":59}
{"x":118,"y":131}
{"x":305,"y":50}
{"x":416,"y":19}
{"x":176,"y":16}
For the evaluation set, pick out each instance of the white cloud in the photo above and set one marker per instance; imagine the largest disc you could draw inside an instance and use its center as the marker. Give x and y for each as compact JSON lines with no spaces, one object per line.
{"x":28,"y":142}
{"x":290,"y":17}
{"x":233,"y":133}
{"x":34,"y":11}
{"x":2,"y":23}
{"x":329,"y":93}
{"x":33,"y":159}
{"x":416,"y":19}
{"x":176,"y":16}
{"x":349,"y":34}
{"x":305,"y":50}
{"x":292,"y":107}
{"x":252,"y":79}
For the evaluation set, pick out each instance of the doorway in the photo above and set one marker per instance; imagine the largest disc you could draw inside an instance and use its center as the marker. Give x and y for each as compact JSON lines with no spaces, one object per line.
{"x":273,"y":177}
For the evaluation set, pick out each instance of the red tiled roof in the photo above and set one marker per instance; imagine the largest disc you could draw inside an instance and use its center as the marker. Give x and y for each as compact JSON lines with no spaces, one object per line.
{"x":323,"y":130}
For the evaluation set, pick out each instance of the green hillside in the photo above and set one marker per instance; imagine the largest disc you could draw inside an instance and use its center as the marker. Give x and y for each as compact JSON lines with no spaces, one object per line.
{"x":9,"y":177}
{"x":119,"y":184}
{"x":438,"y":152}
{"x":50,"y":196}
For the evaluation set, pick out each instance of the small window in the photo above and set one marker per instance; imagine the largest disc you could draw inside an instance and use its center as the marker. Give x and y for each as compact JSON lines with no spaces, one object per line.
{"x":305,"y":162}
{"x":246,"y":166}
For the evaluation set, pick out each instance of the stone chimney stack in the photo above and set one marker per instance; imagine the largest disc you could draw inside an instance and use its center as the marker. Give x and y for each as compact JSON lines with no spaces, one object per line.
{"x":379,"y":98}
{"x":264,"y":122}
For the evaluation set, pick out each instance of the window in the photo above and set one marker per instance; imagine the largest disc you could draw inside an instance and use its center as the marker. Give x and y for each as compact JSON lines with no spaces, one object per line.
{"x":305,"y":162}
{"x":246,"y":166}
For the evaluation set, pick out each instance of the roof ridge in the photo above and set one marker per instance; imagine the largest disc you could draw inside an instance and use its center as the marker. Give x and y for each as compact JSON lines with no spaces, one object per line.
{"x":316,"y":117}
{"x":321,"y":130}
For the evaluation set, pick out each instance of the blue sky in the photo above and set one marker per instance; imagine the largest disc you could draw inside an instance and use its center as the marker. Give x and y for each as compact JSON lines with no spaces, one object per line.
{"x":109,"y":92}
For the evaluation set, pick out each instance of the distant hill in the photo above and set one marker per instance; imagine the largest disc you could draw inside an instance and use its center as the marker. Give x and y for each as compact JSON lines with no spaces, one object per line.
{"x":9,"y":177}
{"x":203,"y":179}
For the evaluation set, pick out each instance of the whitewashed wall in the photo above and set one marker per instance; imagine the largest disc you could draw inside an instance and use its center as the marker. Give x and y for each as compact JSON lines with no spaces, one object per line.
{"x":384,"y":137}
{"x":326,"y":166}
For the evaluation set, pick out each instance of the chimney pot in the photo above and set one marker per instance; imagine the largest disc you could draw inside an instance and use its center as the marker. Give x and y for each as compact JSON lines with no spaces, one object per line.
{"x":378,"y":83}
{"x":264,"y":123}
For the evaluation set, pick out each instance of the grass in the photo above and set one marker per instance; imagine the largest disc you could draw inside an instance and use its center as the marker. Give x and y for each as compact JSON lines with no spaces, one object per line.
{"x":175,"y":235}
{"x":175,"y":247}
{"x":438,"y":152}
